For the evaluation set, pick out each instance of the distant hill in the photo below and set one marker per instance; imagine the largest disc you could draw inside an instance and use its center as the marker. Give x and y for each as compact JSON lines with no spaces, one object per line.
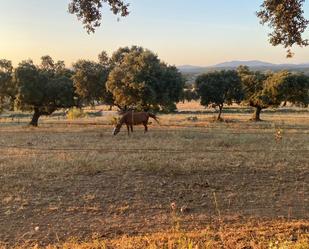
{"x":234,"y":64}
{"x":254,"y":65}
{"x":191,"y":69}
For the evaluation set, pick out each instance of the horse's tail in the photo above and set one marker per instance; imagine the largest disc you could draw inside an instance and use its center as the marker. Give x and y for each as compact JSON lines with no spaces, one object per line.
{"x":154,"y":117}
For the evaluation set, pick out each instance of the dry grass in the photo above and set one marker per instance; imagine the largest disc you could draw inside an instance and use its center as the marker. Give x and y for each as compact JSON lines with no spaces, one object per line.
{"x":282,"y":235}
{"x":65,"y":181}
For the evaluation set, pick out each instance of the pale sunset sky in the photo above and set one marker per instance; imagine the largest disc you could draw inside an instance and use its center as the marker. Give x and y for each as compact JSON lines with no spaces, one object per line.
{"x":196,"y":32}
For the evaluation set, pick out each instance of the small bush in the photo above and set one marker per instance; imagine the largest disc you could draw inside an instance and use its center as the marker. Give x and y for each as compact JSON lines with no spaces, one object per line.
{"x":75,"y":113}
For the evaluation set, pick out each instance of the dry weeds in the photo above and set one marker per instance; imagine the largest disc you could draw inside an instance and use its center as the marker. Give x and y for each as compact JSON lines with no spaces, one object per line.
{"x":73,"y":181}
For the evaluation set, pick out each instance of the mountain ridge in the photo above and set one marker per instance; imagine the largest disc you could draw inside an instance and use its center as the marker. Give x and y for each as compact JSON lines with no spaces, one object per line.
{"x":253,"y":64}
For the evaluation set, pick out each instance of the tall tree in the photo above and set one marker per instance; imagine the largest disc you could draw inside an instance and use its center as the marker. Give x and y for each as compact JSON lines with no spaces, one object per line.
{"x":261,"y":90}
{"x":219,"y":88}
{"x":139,"y":79}
{"x":42,"y":89}
{"x":253,"y":85}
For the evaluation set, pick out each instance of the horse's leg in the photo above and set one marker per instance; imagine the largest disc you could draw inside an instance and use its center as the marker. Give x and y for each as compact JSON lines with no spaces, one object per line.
{"x":146,"y":128}
{"x":128,"y":127}
{"x":131,"y":128}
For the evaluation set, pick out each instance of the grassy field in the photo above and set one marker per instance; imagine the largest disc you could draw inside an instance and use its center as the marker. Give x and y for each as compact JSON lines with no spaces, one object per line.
{"x":189,"y":183}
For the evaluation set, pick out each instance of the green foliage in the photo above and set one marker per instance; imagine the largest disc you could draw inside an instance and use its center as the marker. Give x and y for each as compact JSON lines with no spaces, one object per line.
{"x":290,"y":87}
{"x":89,"y":11}
{"x":140,"y":80}
{"x":7,"y":86}
{"x":189,"y":95}
{"x":286,"y":18}
{"x":254,"y":90}
{"x":89,"y":80}
{"x":104,"y":60}
{"x":42,"y":89}
{"x":219,"y":88}
{"x":265,"y":90}
{"x":120,"y":53}
{"x":253,"y":86}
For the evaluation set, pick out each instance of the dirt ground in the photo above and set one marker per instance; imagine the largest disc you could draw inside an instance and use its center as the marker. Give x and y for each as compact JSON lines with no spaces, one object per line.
{"x":60,"y":181}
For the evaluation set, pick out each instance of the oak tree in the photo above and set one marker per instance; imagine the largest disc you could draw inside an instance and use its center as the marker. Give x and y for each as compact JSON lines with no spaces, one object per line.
{"x":42,"y":89}
{"x":219,"y":88}
{"x":289,"y":87}
{"x":140,"y":80}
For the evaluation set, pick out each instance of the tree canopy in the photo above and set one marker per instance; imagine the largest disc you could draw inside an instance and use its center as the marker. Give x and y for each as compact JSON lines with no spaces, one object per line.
{"x":90,"y":11}
{"x":189,"y":94}
{"x":140,"y":80}
{"x":219,"y":88}
{"x":295,"y":89}
{"x":42,"y":89}
{"x":136,"y":78}
{"x":289,"y":87}
{"x":7,"y":86}
{"x":284,"y":17}
{"x":263,"y":90}
{"x":89,"y":80}
{"x":254,"y":90}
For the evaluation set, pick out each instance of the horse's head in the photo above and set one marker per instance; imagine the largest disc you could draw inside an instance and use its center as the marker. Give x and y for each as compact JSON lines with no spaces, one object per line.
{"x":116,"y":129}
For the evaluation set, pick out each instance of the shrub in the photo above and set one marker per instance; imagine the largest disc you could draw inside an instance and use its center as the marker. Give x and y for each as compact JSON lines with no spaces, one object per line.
{"x":75,"y":113}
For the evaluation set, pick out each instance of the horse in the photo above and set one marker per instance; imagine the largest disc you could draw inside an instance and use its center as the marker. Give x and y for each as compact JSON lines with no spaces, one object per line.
{"x":134,"y":118}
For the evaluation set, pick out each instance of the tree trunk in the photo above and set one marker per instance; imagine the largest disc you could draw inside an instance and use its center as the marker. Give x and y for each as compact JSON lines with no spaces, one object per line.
{"x":35,"y":117}
{"x":220,"y":112}
{"x":256,"y":114}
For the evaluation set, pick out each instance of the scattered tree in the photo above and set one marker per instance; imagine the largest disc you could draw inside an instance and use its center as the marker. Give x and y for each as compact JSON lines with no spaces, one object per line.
{"x":42,"y":89}
{"x":136,"y":78}
{"x":219,"y":88}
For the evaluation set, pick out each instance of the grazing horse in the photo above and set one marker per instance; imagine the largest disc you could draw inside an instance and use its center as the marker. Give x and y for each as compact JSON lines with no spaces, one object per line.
{"x":134,"y":118}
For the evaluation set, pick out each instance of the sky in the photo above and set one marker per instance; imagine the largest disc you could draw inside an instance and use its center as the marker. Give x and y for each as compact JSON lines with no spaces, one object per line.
{"x":180,"y":32}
